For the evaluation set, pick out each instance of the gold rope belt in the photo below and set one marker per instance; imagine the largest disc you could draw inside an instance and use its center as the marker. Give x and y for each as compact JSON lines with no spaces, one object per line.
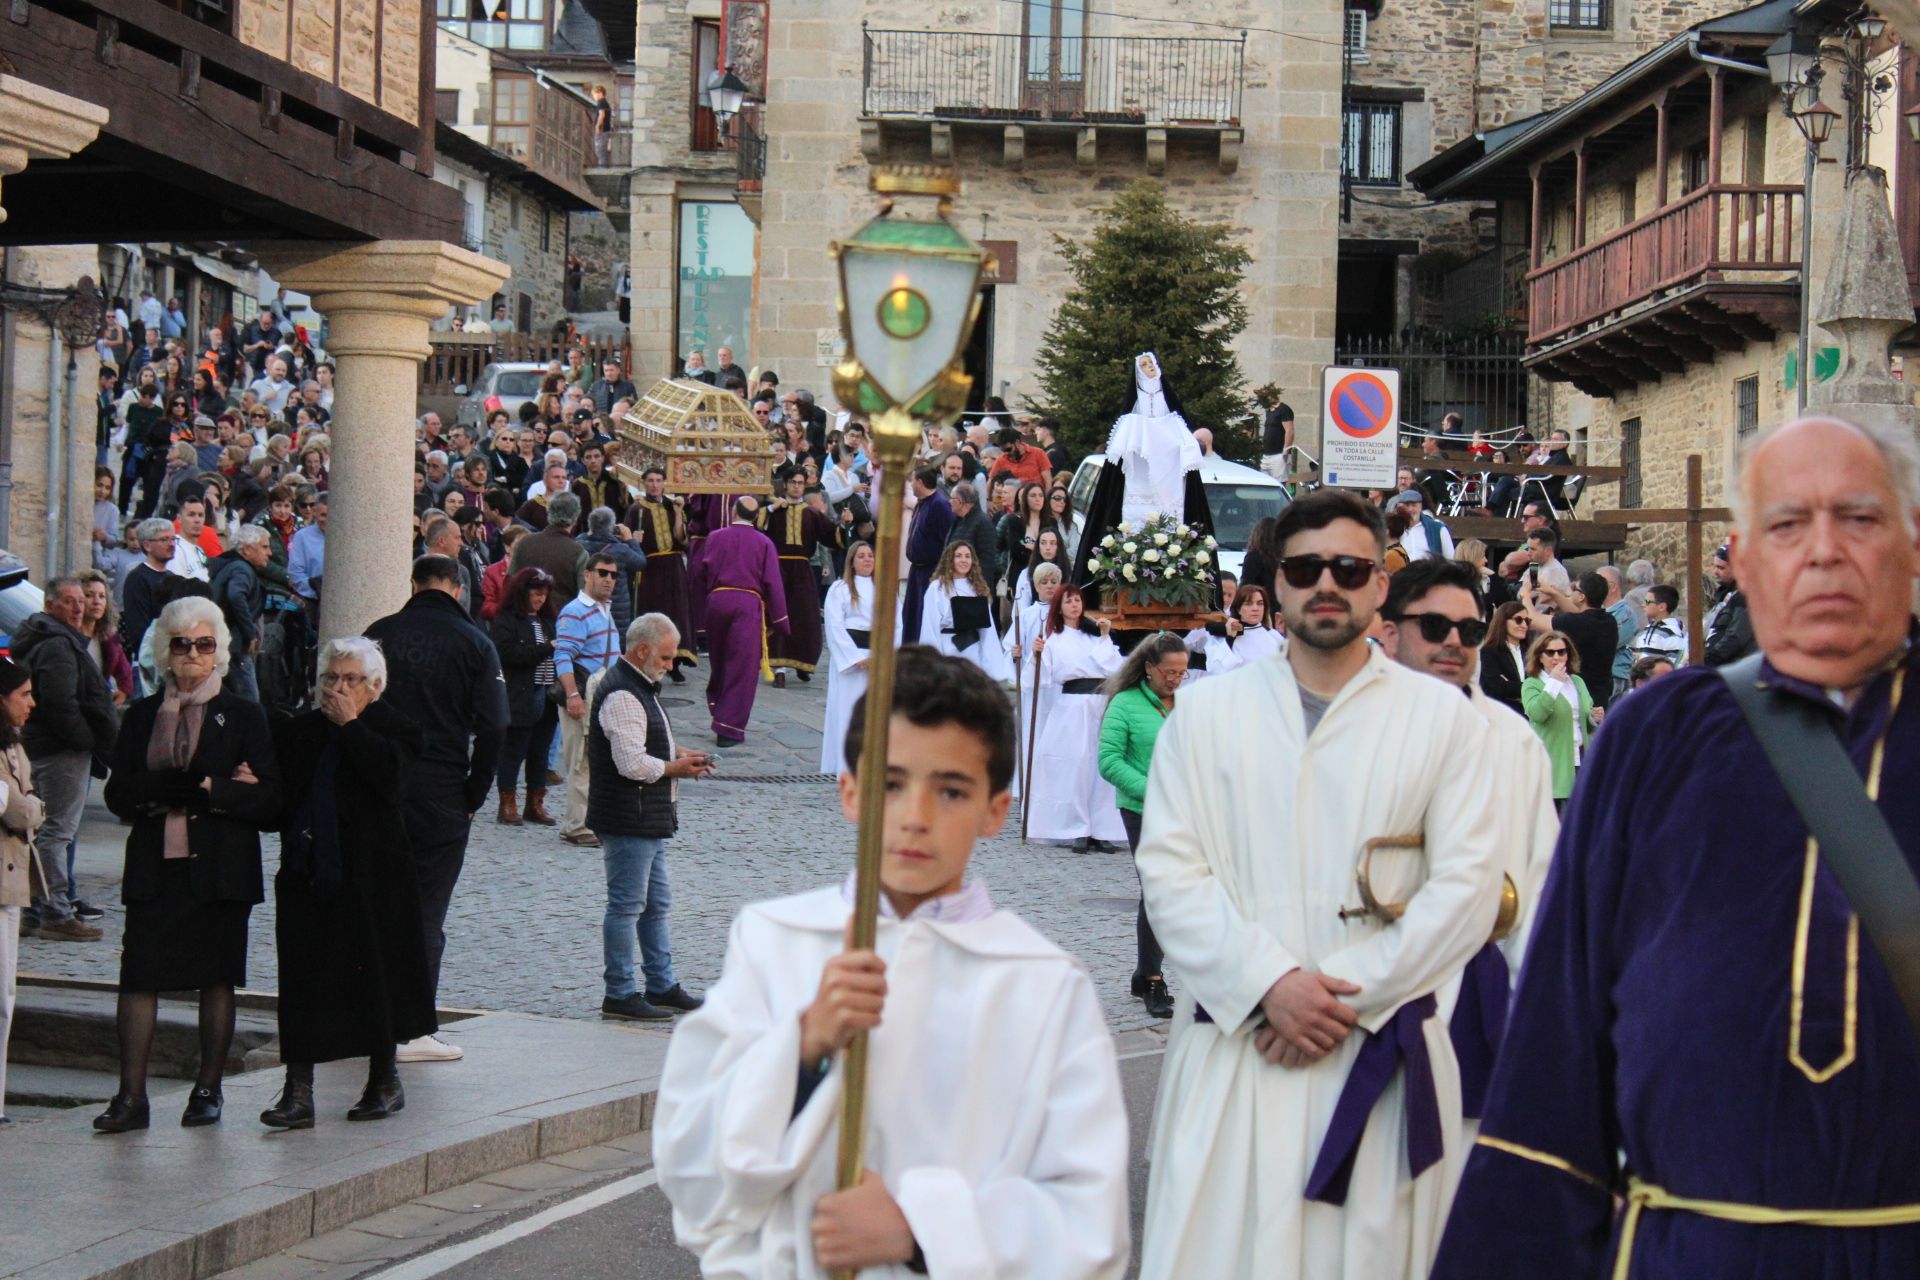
{"x":1644,"y":1195}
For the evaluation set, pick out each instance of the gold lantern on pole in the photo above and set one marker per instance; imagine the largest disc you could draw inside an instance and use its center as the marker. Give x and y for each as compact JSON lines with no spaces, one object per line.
{"x":910,"y":292}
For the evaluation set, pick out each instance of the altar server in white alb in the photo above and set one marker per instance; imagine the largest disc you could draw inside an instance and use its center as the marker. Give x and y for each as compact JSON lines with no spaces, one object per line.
{"x":956,"y":617}
{"x":996,"y":1136}
{"x":848,"y":630}
{"x":1029,"y":624}
{"x":1247,"y":635}
{"x":1433,"y":624}
{"x":1070,"y":800}
{"x":1309,"y":1095}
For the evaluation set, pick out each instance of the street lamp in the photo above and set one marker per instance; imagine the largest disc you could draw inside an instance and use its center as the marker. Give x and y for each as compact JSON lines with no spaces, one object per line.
{"x":1793,"y":64}
{"x":726,"y":93}
{"x":910,"y":292}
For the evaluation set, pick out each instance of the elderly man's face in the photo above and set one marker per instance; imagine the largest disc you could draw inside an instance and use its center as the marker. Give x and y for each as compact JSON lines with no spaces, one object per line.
{"x":556,"y":480}
{"x":431,"y":424}
{"x":655,"y":661}
{"x":436,"y":470}
{"x":69,"y":605}
{"x":1828,"y":556}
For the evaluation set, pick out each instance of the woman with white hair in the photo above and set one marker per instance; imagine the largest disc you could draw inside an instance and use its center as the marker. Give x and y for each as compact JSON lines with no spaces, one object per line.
{"x":353,"y":955}
{"x":194,"y":772}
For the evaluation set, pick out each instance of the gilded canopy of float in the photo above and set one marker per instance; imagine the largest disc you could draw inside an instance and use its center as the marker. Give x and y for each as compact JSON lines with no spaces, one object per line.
{"x":704,"y":438}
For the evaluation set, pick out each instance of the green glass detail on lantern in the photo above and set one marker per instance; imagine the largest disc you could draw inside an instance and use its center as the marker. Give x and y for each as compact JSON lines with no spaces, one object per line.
{"x":871,"y":401}
{"x":904,"y":312}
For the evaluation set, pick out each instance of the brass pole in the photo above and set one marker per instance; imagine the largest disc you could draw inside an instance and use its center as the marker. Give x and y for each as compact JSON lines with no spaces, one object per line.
{"x":895,"y":433}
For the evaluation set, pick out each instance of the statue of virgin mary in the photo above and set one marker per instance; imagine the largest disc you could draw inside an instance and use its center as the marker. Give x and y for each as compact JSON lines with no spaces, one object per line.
{"x":1152,"y":467}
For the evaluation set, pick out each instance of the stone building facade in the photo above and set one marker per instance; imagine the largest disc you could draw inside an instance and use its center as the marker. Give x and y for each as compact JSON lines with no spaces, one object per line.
{"x":1246,"y":135}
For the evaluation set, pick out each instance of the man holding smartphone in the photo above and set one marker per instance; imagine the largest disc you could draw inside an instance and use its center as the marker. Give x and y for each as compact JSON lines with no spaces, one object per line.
{"x":635,"y":771}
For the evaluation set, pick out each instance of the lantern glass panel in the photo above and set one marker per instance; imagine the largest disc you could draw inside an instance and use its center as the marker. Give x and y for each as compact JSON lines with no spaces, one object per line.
{"x":906,"y":315}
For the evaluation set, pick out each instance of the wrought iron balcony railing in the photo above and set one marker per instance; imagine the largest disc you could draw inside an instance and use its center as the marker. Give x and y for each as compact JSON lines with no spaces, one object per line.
{"x":1148,"y":81}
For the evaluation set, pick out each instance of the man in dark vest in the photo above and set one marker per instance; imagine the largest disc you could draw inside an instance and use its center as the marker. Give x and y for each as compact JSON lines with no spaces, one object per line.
{"x":635,"y":773}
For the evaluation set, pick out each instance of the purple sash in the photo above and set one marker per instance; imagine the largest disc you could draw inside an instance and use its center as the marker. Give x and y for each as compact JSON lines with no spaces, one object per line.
{"x":1478,"y":1021}
{"x":1400,"y":1041}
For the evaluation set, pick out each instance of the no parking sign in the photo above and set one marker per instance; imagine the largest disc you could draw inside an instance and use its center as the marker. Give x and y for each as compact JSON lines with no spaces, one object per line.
{"x":1361,"y":440}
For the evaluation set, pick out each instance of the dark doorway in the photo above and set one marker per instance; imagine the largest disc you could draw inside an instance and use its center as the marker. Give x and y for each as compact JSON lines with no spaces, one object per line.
{"x":977,"y":359}
{"x":1364,"y":306}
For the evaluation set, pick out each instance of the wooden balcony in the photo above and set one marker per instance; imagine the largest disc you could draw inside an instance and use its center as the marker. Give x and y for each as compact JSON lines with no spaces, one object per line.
{"x":1710,"y":272}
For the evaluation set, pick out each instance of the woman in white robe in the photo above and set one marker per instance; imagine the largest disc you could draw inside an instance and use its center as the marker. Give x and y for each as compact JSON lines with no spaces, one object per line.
{"x":1067,"y":798}
{"x":1047,"y":549}
{"x":1247,"y":635}
{"x":958,"y":575}
{"x":849,"y":608}
{"x":1029,"y":625}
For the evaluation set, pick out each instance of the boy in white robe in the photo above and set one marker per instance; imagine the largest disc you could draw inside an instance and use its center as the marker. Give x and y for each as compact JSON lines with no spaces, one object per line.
{"x":1030,"y":623}
{"x":996,"y":1138}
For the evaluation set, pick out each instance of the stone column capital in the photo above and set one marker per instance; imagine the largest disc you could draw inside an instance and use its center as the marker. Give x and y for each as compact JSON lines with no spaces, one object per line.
{"x":36,"y":123}
{"x":429,"y":272}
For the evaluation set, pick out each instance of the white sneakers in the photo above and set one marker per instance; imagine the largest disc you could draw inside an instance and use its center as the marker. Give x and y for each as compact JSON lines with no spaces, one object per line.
{"x":429,"y":1049}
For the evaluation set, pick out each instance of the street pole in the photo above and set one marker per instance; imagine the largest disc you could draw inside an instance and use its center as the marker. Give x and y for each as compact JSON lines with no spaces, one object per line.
{"x":1804,"y":373}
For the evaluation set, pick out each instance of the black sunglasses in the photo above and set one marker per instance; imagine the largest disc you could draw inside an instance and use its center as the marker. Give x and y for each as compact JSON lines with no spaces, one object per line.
{"x":1435,"y":626}
{"x":180,"y":646}
{"x":1350,"y":573}
{"x":1553,"y":653}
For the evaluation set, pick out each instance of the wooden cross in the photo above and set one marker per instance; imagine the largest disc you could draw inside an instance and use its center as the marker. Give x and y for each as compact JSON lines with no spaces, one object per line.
{"x":1696,"y":517}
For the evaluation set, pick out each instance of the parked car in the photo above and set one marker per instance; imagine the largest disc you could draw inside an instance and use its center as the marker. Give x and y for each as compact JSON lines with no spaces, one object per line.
{"x":19,"y":599}
{"x":502,"y":385}
{"x":1238,"y":497}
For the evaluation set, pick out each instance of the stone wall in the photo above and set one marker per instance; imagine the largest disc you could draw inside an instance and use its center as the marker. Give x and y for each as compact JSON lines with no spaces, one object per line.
{"x":537,"y":271}
{"x":666,"y":168}
{"x":601,"y":248}
{"x":24,"y":385}
{"x":1282,"y":198}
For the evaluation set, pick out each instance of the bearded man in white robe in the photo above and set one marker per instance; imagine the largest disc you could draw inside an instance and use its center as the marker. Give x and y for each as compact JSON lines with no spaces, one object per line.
{"x":1309,"y":1096}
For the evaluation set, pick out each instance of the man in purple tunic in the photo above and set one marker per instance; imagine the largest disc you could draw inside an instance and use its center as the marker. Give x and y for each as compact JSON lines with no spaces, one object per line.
{"x":1708,"y":1072}
{"x":932,"y":522}
{"x":739,"y":577}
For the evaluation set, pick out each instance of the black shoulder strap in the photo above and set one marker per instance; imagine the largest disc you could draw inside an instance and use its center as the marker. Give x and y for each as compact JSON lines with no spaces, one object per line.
{"x":1852,"y":833}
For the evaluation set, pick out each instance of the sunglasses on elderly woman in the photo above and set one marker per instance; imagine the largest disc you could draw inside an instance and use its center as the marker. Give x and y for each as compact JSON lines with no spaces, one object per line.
{"x":181,"y":646}
{"x":1350,"y":573}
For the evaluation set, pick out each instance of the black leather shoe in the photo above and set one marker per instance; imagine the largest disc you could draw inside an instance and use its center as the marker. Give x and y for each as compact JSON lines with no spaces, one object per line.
{"x":203,"y":1107}
{"x":378,"y":1102}
{"x":1139,"y":987}
{"x":122,"y":1115}
{"x":1158,"y":999}
{"x":633,"y":1008}
{"x":293,"y":1111}
{"x":1082,"y":845}
{"x":675,"y":998}
{"x":677,"y":676}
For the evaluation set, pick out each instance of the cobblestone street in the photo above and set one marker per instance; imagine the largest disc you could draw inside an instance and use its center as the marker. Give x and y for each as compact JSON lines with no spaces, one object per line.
{"x":524,"y":931}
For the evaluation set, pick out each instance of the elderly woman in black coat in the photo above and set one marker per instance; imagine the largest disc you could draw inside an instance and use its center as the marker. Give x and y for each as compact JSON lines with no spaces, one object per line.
{"x":194,"y":772}
{"x":353,"y":959}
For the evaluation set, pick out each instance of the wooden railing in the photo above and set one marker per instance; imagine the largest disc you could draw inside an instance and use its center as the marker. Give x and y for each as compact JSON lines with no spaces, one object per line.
{"x":1714,"y":230}
{"x":458,"y":358}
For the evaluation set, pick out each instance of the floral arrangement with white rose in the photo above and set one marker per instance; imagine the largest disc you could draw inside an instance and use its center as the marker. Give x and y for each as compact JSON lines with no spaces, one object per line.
{"x":1156,"y":562}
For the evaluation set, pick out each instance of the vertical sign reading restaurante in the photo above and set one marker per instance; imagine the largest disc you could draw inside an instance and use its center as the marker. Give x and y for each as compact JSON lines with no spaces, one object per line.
{"x":716,"y":280}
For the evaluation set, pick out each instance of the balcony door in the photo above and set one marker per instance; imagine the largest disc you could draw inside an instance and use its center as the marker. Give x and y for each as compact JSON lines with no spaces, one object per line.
{"x":1053,"y":56}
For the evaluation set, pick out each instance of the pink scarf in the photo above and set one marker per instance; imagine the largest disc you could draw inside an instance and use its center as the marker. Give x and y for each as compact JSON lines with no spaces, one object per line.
{"x":176,"y":735}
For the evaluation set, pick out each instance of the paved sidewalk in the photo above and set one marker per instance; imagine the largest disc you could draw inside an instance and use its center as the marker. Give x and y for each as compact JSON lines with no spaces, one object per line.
{"x":524,"y":930}
{"x":181,"y":1203}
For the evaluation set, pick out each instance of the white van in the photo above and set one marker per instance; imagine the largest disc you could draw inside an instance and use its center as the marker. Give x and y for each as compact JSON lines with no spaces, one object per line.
{"x":1238,"y":497}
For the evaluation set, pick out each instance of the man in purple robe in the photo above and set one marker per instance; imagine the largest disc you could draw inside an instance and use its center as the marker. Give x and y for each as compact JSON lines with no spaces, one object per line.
{"x":1708,"y":1072}
{"x":659,"y":523}
{"x":932,"y":522}
{"x":739,"y":577}
{"x":705,"y":513}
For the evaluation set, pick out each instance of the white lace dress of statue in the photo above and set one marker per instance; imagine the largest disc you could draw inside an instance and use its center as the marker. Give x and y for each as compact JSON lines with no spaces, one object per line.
{"x":1154,"y":448}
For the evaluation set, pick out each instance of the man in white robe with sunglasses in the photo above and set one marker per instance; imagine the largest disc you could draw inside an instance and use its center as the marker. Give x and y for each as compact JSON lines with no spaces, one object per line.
{"x":1309,"y":1100}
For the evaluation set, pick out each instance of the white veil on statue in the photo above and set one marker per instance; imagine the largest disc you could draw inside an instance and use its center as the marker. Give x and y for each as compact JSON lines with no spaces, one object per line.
{"x":1153,"y":446}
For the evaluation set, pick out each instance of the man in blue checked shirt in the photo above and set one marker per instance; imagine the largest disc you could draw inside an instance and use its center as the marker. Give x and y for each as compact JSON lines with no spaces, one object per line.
{"x":586,"y":642}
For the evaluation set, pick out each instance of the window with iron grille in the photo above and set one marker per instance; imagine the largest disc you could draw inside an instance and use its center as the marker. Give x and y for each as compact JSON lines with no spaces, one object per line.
{"x":1630,"y":463}
{"x":1746,"y":409}
{"x":1370,"y":143}
{"x":1580,"y":15}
